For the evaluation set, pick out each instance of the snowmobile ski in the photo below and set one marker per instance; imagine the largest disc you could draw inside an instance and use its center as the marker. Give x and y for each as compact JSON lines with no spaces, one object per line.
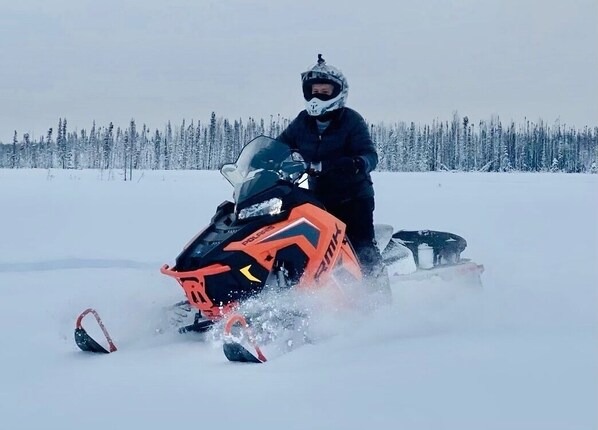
{"x":85,"y":342}
{"x":236,"y":352}
{"x":239,"y":340}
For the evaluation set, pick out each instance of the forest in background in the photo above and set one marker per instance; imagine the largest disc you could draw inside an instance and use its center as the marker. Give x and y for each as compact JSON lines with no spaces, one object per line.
{"x":458,"y":145}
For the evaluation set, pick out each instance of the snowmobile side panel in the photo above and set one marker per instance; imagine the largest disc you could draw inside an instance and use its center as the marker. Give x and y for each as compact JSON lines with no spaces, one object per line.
{"x":316,"y":232}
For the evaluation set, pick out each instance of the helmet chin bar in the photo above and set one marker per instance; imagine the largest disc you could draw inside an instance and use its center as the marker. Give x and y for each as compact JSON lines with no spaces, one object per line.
{"x":317,"y":107}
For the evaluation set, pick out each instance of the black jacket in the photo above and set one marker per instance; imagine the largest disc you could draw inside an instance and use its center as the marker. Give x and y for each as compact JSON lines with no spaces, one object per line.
{"x":347,"y":135}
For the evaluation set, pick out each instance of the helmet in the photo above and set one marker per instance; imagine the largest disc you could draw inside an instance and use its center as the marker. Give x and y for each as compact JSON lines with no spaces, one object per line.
{"x":320,"y":104}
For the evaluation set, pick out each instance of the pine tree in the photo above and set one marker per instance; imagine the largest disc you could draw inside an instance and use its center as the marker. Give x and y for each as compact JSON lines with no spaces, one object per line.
{"x":64,"y":143}
{"x":94,"y":147}
{"x":505,"y":163}
{"x":211,"y":140}
{"x":107,"y":144}
{"x":129,"y":148}
{"x":48,"y":156}
{"x":14,"y":163}
{"x":167,"y":143}
{"x":197,"y":147}
{"x":555,"y":165}
{"x":157,"y":142}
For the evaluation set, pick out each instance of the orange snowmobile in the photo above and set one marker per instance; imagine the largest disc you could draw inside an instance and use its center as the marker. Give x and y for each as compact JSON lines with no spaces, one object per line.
{"x":274,"y":233}
{"x":277,"y":235}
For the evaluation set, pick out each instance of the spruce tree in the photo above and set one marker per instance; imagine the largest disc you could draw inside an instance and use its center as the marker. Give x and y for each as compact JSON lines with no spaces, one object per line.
{"x":14,"y":151}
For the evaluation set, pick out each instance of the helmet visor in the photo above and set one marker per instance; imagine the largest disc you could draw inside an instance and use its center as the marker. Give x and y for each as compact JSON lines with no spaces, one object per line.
{"x":308,"y":89}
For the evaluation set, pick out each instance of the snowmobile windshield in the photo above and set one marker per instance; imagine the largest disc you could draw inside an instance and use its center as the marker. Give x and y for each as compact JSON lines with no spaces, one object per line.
{"x":262,"y":163}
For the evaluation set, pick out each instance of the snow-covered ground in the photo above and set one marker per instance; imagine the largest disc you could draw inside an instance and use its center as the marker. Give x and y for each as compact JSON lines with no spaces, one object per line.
{"x":522,"y":354}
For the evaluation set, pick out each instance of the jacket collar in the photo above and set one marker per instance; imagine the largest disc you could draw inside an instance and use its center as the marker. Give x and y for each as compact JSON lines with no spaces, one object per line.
{"x":334,"y":119}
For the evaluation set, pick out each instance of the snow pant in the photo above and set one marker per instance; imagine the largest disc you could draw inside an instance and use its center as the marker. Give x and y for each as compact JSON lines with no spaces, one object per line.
{"x":358,"y":215}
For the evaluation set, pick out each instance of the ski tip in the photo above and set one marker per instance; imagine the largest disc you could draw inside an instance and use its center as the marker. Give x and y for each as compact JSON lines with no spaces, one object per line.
{"x":85,"y":342}
{"x":237,"y":353}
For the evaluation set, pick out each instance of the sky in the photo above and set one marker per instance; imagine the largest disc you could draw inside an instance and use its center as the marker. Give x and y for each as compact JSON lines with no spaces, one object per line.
{"x":157,"y":61}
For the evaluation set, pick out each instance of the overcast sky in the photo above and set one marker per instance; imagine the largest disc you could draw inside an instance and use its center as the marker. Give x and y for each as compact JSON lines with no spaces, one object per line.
{"x":113,"y":60}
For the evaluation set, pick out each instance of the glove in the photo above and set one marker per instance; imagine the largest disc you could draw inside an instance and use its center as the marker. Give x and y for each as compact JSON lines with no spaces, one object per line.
{"x":360,"y":164}
{"x":344,"y":164}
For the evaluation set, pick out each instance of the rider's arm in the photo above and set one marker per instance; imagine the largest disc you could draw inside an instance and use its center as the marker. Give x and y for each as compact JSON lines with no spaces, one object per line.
{"x":361,"y":144}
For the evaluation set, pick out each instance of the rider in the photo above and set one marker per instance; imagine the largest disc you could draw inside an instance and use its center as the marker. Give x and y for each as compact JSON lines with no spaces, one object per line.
{"x":336,"y":143}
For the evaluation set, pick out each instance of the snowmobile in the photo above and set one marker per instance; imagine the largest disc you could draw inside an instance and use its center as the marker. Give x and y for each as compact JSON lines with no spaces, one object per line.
{"x":276,"y":236}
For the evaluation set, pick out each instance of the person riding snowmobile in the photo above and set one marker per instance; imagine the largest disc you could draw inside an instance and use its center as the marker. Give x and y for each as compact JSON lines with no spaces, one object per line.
{"x":335,"y":141}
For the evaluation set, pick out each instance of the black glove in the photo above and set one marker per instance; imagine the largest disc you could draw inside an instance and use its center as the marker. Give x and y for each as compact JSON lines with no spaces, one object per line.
{"x":360,"y":164}
{"x":344,"y":164}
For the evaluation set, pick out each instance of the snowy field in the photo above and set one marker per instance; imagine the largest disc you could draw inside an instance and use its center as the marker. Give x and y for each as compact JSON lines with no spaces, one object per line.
{"x":522,"y":354}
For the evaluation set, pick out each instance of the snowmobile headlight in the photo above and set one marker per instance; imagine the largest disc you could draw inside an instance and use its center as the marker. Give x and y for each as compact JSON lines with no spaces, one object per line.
{"x":267,"y":207}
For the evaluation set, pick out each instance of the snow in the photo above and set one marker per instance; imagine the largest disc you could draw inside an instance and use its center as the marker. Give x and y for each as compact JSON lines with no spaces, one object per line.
{"x":521,"y":354}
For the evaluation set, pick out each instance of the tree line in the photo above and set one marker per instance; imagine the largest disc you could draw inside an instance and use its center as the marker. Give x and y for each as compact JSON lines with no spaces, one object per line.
{"x":458,"y":145}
